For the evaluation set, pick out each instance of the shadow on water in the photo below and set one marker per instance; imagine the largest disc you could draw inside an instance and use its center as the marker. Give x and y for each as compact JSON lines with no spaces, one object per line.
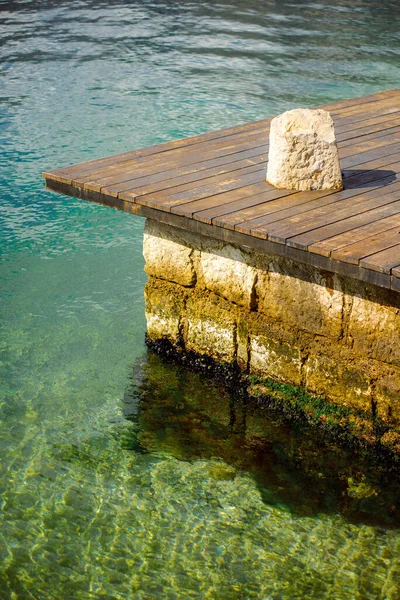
{"x":189,"y":416}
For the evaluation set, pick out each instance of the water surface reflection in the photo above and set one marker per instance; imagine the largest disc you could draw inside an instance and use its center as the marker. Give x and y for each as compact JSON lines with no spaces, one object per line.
{"x":180,"y":413}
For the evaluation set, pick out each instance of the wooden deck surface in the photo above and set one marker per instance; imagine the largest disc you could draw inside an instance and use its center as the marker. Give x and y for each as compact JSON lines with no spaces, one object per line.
{"x":215,"y":184}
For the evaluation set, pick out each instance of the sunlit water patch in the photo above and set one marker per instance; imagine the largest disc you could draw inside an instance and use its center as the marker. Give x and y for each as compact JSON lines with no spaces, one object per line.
{"x":153,"y":485}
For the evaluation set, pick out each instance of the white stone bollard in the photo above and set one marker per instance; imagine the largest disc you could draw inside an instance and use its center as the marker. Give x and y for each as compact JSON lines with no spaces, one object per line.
{"x":303,"y":153}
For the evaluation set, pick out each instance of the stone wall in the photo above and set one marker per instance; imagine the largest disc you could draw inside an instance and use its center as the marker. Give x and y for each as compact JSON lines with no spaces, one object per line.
{"x":337,"y":337}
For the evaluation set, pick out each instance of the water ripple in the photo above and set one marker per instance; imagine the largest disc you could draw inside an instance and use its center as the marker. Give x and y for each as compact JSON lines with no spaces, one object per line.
{"x":89,"y":496}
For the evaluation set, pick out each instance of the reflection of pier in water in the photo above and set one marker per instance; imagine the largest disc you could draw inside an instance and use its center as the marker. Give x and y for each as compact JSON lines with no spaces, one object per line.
{"x":177,"y":412}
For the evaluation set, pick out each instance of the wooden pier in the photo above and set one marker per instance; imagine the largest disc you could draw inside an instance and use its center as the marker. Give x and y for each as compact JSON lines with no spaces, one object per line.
{"x":214,"y":184}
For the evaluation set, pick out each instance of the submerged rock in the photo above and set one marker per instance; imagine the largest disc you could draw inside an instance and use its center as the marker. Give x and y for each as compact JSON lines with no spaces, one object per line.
{"x":303,"y":153}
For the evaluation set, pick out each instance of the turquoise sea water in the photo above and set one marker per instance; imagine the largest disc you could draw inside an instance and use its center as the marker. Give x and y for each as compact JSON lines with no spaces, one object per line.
{"x":122,"y":477}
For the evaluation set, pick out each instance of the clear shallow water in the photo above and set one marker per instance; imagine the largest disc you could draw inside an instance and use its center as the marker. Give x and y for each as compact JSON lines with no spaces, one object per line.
{"x":94,"y":502}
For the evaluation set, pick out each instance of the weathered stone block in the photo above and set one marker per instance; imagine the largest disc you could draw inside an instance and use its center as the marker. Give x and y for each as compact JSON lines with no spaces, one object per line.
{"x":387,"y":392}
{"x":275,"y":352}
{"x":332,"y":372}
{"x":276,"y":359}
{"x":374,"y":329}
{"x":165,"y":257}
{"x":165,"y":309}
{"x":301,"y":297}
{"x":227,"y":273}
{"x":303,"y":153}
{"x":211,"y":327}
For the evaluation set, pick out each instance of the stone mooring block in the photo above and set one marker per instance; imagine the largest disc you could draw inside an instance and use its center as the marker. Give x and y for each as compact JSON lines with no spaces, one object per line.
{"x":303,"y":153}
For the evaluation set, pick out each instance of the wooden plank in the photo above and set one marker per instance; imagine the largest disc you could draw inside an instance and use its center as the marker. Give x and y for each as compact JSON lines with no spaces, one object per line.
{"x":383,"y":261}
{"x":380,"y":104}
{"x":181,"y":165}
{"x":383,"y":150}
{"x":362,"y":117}
{"x":357,"y":228}
{"x":293,"y":226}
{"x":205,"y":209}
{"x":70,"y":174}
{"x":214,"y":209}
{"x":258,"y":206}
{"x":99,"y":163}
{"x":199,"y":178}
{"x":359,"y":116}
{"x":263,"y":207}
{"x":373,"y":160}
{"x":356,"y":129}
{"x":383,"y":240}
{"x":357,"y":101}
{"x":333,"y":224}
{"x":175,"y":158}
{"x":326,"y":239}
{"x":193,"y":171}
{"x":308,"y":202}
{"x":292,"y":222}
{"x":371,"y":132}
{"x":368,"y":210}
{"x":360,"y":149}
{"x":209,"y":187}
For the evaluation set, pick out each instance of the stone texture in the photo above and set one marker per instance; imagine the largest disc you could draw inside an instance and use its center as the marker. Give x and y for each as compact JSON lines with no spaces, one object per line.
{"x":166,"y":258}
{"x":387,"y":392}
{"x":331,"y":372}
{"x":211,"y":327}
{"x":276,"y":352}
{"x":374,"y":329}
{"x":276,"y":359}
{"x":302,"y":297}
{"x":227,"y":273}
{"x":303,"y":152}
{"x":164,"y":309}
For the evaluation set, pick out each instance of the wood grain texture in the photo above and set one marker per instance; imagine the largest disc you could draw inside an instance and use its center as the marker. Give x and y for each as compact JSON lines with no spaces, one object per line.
{"x":261,"y":202}
{"x":287,"y":229}
{"x":331,"y":237}
{"x":372,"y":244}
{"x":305,"y":207}
{"x":383,"y":261}
{"x":215,"y":182}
